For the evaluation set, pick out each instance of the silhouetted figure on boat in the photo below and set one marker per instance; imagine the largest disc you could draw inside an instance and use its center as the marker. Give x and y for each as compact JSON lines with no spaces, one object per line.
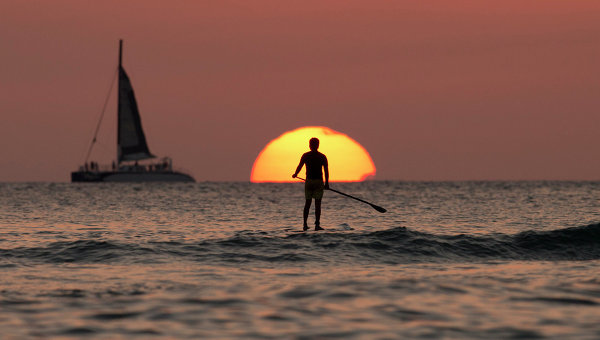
{"x":315,"y":163}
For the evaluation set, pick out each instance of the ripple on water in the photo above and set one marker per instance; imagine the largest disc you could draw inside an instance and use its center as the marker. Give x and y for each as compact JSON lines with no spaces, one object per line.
{"x":299,"y":293}
{"x":558,"y":300}
{"x":407,"y":315}
{"x":77,"y":331}
{"x":114,"y":315}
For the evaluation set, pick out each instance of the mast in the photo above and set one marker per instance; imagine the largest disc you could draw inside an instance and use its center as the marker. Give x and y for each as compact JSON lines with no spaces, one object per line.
{"x":118,"y":99}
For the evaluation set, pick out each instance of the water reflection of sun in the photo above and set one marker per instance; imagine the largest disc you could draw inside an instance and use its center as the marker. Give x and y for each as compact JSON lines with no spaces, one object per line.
{"x":348,"y":160}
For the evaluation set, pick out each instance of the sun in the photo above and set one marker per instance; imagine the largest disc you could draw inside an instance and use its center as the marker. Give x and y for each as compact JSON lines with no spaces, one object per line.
{"x":348,"y":160}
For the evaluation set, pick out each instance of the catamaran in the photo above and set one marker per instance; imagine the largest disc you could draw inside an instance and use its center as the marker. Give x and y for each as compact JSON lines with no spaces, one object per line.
{"x":131,"y":147}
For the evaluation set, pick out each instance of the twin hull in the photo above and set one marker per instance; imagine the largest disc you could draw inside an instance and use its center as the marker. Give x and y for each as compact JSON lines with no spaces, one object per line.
{"x":116,"y":176}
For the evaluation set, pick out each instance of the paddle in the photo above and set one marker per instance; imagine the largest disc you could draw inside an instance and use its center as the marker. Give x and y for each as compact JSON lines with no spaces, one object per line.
{"x":376,"y":207}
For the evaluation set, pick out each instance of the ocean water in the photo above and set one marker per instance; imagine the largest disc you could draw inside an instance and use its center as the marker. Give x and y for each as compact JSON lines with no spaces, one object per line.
{"x":465,"y":260}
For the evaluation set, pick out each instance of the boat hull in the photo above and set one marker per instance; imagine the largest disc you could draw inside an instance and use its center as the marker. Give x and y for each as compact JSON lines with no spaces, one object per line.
{"x":123,"y":176}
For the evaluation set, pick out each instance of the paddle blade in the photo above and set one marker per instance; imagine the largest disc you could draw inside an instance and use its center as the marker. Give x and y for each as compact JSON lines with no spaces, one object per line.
{"x":378,"y":208}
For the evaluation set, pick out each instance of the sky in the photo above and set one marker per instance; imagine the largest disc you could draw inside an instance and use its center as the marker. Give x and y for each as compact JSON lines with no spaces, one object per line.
{"x":434,"y":90}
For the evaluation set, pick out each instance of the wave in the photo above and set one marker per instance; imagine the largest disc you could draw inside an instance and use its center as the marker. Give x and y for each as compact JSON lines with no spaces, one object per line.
{"x":576,"y":243}
{"x":396,"y":245}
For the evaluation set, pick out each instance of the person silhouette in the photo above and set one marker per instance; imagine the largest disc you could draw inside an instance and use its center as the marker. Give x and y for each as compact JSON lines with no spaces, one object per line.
{"x":316,"y":163}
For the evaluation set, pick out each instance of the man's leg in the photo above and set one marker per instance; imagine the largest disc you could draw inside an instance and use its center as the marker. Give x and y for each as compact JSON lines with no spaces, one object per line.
{"x":318,"y":214}
{"x":306,"y":211}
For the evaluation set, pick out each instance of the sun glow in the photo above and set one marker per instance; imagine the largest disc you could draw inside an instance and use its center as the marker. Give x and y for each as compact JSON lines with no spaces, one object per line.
{"x":348,"y":160}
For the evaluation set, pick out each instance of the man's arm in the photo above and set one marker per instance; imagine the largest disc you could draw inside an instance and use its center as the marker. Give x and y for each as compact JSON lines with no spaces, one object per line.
{"x":299,"y":167}
{"x":326,"y":169}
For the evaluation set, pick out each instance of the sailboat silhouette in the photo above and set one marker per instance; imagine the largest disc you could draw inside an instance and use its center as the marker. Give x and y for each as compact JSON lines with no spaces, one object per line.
{"x":131,"y":146}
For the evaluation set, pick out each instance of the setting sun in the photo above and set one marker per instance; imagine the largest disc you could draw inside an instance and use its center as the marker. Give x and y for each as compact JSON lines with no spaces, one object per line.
{"x":348,"y":160}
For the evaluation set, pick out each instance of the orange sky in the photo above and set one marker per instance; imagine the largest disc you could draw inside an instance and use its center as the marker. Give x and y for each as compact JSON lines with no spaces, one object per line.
{"x":442,"y":90}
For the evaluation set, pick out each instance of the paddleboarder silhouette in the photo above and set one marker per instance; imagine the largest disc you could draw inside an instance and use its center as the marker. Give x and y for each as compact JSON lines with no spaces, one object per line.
{"x":316,"y":163}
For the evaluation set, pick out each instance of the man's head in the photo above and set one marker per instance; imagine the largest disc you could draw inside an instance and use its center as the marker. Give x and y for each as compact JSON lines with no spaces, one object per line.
{"x":313,"y":144}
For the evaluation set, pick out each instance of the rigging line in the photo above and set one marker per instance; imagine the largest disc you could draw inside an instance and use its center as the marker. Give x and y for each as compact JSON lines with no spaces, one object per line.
{"x":112,"y":84}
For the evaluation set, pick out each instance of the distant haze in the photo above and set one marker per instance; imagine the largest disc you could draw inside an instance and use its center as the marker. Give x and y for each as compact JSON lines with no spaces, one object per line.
{"x":442,"y":90}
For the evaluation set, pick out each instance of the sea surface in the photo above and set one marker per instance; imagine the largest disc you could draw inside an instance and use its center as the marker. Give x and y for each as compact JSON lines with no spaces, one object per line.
{"x":449,"y":260}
